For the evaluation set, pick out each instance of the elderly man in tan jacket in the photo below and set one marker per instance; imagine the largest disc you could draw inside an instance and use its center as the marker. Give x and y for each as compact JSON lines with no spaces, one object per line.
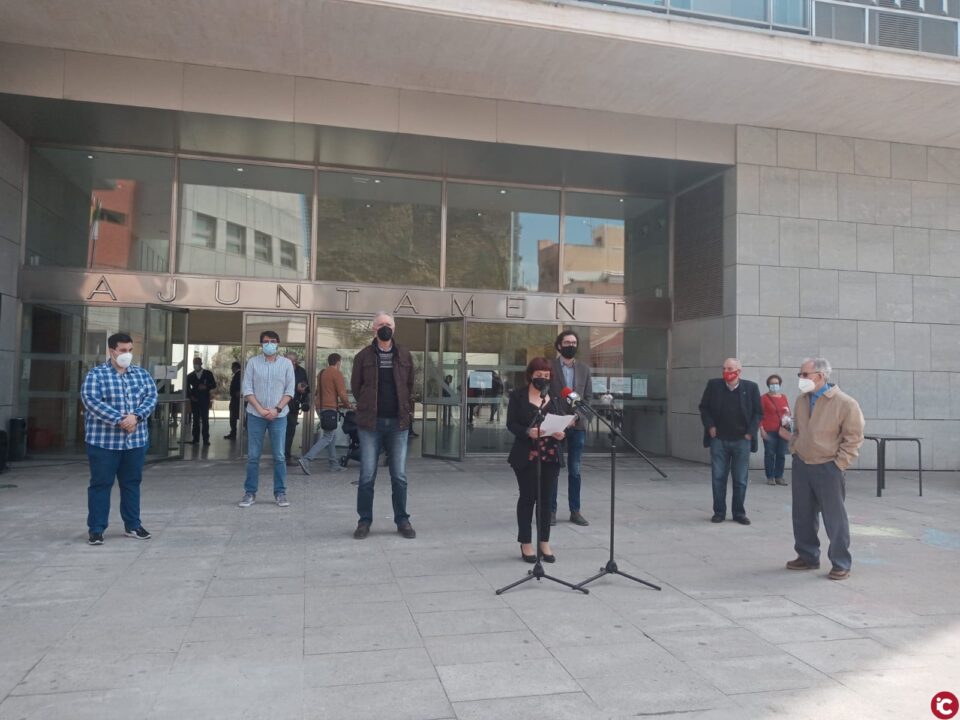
{"x":827,"y":435}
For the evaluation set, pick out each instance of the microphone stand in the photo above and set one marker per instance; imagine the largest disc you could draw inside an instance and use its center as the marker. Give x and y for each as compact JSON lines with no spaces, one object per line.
{"x":611,"y":567}
{"x":537,"y":572}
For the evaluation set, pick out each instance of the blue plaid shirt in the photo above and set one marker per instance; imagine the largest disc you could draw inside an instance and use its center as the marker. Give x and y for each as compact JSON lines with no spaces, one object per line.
{"x":109,"y":396}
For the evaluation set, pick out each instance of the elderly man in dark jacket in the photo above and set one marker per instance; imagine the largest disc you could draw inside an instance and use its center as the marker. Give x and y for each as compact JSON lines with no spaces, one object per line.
{"x":730,"y":411}
{"x":382,"y":384}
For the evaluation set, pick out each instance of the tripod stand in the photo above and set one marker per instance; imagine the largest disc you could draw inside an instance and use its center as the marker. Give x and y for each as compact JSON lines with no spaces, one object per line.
{"x":611,"y":567}
{"x":538,"y":573}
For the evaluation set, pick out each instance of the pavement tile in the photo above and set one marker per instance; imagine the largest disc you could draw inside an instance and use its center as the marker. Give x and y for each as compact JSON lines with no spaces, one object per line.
{"x":562,"y":706}
{"x":466,"y":622}
{"x":364,"y":668}
{"x":484,"y":647}
{"x":404,"y":700}
{"x":357,"y":638}
{"x":507,"y":678}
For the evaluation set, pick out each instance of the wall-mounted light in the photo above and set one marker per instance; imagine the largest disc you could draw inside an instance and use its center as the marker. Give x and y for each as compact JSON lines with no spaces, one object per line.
{"x":239,"y":169}
{"x":89,"y":157}
{"x":503,"y":192}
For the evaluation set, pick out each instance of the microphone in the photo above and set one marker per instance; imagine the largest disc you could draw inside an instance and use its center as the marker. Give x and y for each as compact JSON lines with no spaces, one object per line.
{"x":572,"y":398}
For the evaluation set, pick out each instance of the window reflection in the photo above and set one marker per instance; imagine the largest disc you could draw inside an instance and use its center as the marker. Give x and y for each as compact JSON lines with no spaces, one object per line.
{"x":502,"y":238}
{"x":100,"y":210}
{"x":247,"y":221}
{"x":378,"y":229}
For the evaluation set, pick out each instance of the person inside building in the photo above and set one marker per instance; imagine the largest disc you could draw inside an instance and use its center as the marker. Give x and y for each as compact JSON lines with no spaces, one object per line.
{"x":200,"y":389}
{"x":300,"y":403}
{"x":234,"y":400}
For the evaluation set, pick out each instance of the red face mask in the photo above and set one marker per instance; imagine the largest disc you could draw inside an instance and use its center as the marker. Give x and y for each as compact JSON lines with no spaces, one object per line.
{"x":730,"y":376}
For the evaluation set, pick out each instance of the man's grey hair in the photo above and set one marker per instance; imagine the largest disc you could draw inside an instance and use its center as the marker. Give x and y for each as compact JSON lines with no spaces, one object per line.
{"x":383,"y":313}
{"x":820,"y":365}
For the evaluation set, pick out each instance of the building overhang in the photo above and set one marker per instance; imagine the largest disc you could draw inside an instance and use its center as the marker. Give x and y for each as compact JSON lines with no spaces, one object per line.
{"x":522,"y":51}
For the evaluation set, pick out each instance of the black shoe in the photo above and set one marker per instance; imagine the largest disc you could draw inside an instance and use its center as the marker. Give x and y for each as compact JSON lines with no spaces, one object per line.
{"x":406,"y":529}
{"x":548,"y":558}
{"x":95,"y":539}
{"x":206,"y":443}
{"x":717,"y":519}
{"x":140,"y":533}
{"x":363,"y":529}
{"x":528,"y":558}
{"x":230,"y":437}
{"x":743,"y":520}
{"x":553,"y":518}
{"x":192,"y":442}
{"x":577,"y":519}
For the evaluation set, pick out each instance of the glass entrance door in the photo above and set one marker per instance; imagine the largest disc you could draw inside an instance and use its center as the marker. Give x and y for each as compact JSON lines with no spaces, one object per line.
{"x":164,"y":357}
{"x":443,"y":388}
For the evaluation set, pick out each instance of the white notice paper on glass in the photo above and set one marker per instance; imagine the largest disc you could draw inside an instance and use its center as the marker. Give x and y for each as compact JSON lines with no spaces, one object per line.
{"x":555,"y":423}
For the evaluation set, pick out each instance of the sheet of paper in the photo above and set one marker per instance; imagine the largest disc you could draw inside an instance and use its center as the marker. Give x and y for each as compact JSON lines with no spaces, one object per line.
{"x":555,"y":423}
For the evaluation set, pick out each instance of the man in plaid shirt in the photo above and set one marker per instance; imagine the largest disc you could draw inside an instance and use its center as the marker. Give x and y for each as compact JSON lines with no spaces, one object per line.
{"x":118,"y":399}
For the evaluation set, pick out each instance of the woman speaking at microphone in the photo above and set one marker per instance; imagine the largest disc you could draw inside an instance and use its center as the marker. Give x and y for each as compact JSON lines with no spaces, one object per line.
{"x":528,"y":448}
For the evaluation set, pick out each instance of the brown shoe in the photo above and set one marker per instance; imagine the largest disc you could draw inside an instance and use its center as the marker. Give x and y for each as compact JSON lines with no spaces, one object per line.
{"x":838,"y":574}
{"x":406,"y":529}
{"x":363,"y":529}
{"x":577,"y":519}
{"x":801,"y":564}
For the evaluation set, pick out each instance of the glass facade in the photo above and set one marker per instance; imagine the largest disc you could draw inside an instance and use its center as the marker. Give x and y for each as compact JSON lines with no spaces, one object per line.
{"x":378,"y":229}
{"x":501,"y":238}
{"x":244,"y":220}
{"x":99,"y":210}
{"x":240,"y":220}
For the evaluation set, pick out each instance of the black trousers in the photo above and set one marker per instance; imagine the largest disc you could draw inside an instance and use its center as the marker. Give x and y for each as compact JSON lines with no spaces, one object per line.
{"x":292,"y":422}
{"x":527,"y":483}
{"x":234,"y":414}
{"x":200,"y":410}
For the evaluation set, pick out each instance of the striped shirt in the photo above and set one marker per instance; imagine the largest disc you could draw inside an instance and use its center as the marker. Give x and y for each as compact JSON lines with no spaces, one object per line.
{"x":108,"y":397}
{"x":268,"y":381}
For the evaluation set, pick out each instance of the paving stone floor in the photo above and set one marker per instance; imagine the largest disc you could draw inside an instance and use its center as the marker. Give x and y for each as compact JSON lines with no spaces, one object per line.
{"x":278,"y":613}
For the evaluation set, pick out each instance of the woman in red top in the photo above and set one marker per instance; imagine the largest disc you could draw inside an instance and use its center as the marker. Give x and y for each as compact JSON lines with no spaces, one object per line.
{"x":776,"y":416}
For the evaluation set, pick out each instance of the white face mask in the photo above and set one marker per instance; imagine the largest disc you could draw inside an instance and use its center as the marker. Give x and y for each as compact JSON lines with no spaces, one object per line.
{"x":124,"y":359}
{"x":806,"y":385}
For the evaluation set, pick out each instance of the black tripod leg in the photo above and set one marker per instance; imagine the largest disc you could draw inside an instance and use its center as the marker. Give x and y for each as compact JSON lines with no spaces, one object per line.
{"x":636,"y":579}
{"x":514,"y":584}
{"x":600,"y":574}
{"x":569,"y":585}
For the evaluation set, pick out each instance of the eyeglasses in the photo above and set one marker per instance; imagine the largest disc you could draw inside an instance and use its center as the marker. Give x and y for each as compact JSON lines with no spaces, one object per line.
{"x":808,"y":374}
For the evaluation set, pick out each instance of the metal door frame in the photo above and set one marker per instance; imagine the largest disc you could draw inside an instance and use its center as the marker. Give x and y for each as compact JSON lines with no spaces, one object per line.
{"x":440,"y":323}
{"x":186,"y":346}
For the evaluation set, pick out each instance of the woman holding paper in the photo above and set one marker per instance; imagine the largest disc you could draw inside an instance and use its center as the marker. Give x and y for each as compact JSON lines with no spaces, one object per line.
{"x":529,"y":451}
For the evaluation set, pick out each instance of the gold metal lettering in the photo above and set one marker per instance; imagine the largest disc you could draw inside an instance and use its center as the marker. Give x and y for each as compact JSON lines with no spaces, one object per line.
{"x":102,"y":288}
{"x":456,"y":308}
{"x":615,"y":304}
{"x":236,"y":295}
{"x":346,"y":296}
{"x":516,"y":307}
{"x":162,"y":298}
{"x":407,"y":303}
{"x":570,"y":311}
{"x":281,"y":290}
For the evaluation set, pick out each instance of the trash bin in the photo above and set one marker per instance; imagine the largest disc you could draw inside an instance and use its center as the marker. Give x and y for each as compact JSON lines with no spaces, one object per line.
{"x":18,"y":439}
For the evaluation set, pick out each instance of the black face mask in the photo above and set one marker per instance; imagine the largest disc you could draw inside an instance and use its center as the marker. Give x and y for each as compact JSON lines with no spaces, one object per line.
{"x":385,"y":333}
{"x":540,"y":383}
{"x":568,"y":352}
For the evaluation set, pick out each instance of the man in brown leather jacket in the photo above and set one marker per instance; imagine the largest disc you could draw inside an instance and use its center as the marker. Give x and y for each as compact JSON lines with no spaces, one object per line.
{"x":382,"y":385}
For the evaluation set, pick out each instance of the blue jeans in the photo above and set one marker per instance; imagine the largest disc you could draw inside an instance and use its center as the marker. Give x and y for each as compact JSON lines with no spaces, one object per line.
{"x":774,"y":454}
{"x":729,"y":457}
{"x":388,"y":434}
{"x":256,"y":428}
{"x":575,"y":442}
{"x":105,"y":465}
{"x":325,"y":442}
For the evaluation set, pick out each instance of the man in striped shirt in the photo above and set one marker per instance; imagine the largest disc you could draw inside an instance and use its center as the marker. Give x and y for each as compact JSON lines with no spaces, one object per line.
{"x":267,"y":386}
{"x":118,"y":399}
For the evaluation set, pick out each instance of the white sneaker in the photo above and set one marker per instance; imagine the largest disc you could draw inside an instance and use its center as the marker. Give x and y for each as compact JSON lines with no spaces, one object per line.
{"x":248,"y":500}
{"x":282,"y":500}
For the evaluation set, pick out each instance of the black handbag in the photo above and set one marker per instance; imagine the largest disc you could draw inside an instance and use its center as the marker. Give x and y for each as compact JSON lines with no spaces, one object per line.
{"x":329,"y":419}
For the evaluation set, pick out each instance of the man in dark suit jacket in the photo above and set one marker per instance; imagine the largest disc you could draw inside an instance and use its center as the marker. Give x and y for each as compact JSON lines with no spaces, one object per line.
{"x":200,"y":383}
{"x":300,"y":401}
{"x":574,"y":374}
{"x":730,"y":411}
